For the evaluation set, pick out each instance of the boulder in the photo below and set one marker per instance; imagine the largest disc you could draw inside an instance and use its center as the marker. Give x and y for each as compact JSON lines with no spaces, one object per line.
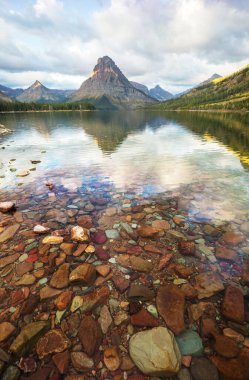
{"x":155,"y":352}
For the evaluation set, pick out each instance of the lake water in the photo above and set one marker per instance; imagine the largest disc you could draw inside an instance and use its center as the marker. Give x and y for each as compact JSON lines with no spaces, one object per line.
{"x":201,"y":157}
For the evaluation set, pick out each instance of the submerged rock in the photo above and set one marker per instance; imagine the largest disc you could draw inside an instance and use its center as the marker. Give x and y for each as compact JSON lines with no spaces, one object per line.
{"x":54,"y":341}
{"x":7,"y":206}
{"x":190,"y":343}
{"x":233,"y":305}
{"x":155,"y":352}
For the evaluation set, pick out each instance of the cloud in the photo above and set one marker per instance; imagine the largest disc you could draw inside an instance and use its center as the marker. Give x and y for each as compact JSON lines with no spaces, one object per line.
{"x":176,"y":43}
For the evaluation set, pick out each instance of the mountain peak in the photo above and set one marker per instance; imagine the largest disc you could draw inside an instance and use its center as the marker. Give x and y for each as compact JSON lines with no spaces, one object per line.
{"x":105,"y":61}
{"x":36,"y":84}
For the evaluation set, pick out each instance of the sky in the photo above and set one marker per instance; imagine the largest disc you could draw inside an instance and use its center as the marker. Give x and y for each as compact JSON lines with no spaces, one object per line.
{"x":174,"y":43}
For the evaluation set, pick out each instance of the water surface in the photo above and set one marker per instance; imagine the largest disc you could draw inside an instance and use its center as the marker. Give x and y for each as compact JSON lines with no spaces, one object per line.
{"x":202,"y":157}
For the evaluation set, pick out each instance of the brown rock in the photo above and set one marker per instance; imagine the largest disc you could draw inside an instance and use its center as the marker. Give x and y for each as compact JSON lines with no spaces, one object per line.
{"x":186,"y":248}
{"x":85,"y":221}
{"x":90,"y":335}
{"x":47,"y":293}
{"x":105,"y":319}
{"x":59,"y":279}
{"x":135,"y":263}
{"x":103,"y":270}
{"x":81,"y":362}
{"x":224,"y":253}
{"x":152,"y":248}
{"x":140,"y":292}
{"x":76,"y":377}
{"x":84,"y":274}
{"x":23,"y":268}
{"x":147,"y":231}
{"x":61,"y":361}
{"x":233,"y":369}
{"x":170,"y":304}
{"x":226,"y":347}
{"x":189,"y":291}
{"x":208,"y":284}
{"x":94,"y":299}
{"x":233,"y":305}
{"x":6,"y":329}
{"x":9,"y":232}
{"x":8,"y":260}
{"x":161,"y":225}
{"x":63,"y":300}
{"x":3,"y":294}
{"x":144,"y":319}
{"x":209,"y":327}
{"x":121,"y":283}
{"x":67,"y":248}
{"x":233,"y":335}
{"x":233,"y":238}
{"x":111,"y":358}
{"x":164,"y":261}
{"x":54,"y":341}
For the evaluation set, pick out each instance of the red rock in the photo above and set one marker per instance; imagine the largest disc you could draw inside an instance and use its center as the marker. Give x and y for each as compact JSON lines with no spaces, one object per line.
{"x":147,"y":231}
{"x":61,"y":361}
{"x":63,"y":300}
{"x":208,"y":284}
{"x":18,"y":296}
{"x":19,"y":247}
{"x":186,"y":248}
{"x":99,"y":237}
{"x":81,"y":361}
{"x":27,"y":365}
{"x":209,"y":327}
{"x":85,"y":221}
{"x":233,"y":305}
{"x":189,"y":291}
{"x":81,"y":248}
{"x":224,"y":253}
{"x":186,"y":361}
{"x":134,"y":250}
{"x":170,"y":304}
{"x":101,"y":253}
{"x":233,"y":369}
{"x":164,"y":261}
{"x":54,"y":341}
{"x":233,"y":238}
{"x":60,"y":278}
{"x":121,"y":283}
{"x":226,"y":347}
{"x":152,"y":248}
{"x":144,"y":319}
{"x":111,"y":358}
{"x":90,"y":335}
{"x":32,"y":258}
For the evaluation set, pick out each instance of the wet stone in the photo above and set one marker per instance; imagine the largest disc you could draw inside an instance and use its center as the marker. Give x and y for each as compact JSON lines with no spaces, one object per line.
{"x":111,"y":358}
{"x":226,"y":347}
{"x":61,"y":360}
{"x":81,"y":361}
{"x":6,"y":329}
{"x":140,"y":292}
{"x":203,"y":369}
{"x":84,"y":274}
{"x":233,"y":305}
{"x":60,"y":278}
{"x":144,"y":319}
{"x":90,"y":335}
{"x":190,"y":343}
{"x":54,"y":341}
{"x":6,"y":206}
{"x":9,"y":232}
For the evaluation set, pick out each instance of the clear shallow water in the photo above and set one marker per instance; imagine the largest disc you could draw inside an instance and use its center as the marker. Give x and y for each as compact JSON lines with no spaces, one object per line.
{"x":203,"y":158}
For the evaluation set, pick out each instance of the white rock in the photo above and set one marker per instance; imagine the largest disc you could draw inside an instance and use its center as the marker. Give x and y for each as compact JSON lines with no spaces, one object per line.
{"x":80,"y":234}
{"x":155,"y":352}
{"x":41,"y":229}
{"x":22,"y":173}
{"x":6,"y":206}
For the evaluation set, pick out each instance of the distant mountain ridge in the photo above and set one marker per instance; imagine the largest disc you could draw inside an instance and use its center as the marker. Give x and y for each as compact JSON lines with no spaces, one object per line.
{"x":4,"y":98}
{"x":38,"y":93}
{"x":157,"y":92}
{"x":11,"y":92}
{"x":230,"y":92}
{"x":107,"y":87}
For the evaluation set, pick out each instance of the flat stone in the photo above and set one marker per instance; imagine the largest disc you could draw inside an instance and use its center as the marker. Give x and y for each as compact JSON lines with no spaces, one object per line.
{"x":85,"y":221}
{"x":190,"y":343}
{"x":23,"y":173}
{"x":155,"y":352}
{"x":80,"y":234}
{"x":233,"y":305}
{"x":61,"y":360}
{"x":6,"y":206}
{"x":105,"y":319}
{"x":81,"y":361}
{"x":28,"y":336}
{"x":52,"y":240}
{"x":60,"y":278}
{"x":203,"y":369}
{"x":103,"y":270}
{"x":47,"y":293}
{"x":233,"y":369}
{"x":9,"y":232}
{"x":226,"y":254}
{"x":148,"y":231}
{"x":39,"y":229}
{"x":6,"y":329}
{"x":144,"y":319}
{"x":85,"y":274}
{"x":23,"y":268}
{"x":187,"y":248}
{"x":233,"y":335}
{"x":121,"y":283}
{"x":54,"y":341}
{"x":233,"y":238}
{"x":90,"y":335}
{"x":135,"y":263}
{"x":63,"y":300}
{"x":111,"y":358}
{"x":140,"y":292}
{"x":208,"y":284}
{"x":7,"y":260}
{"x":112,"y":234}
{"x":170,"y":305}
{"x":161,"y":225}
{"x":26,"y":279}
{"x":226,"y":347}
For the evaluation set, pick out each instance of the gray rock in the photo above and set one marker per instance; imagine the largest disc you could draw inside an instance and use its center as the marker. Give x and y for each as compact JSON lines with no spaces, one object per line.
{"x":203,"y":369}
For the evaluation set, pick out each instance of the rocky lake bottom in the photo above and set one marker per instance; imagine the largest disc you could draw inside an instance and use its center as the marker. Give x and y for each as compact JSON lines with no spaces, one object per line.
{"x":102,"y":281}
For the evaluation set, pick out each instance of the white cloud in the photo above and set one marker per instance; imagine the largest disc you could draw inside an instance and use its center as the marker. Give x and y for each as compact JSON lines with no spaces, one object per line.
{"x":177,"y":43}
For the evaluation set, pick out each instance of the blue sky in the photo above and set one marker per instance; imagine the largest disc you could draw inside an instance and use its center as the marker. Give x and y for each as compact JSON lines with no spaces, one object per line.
{"x":174,"y":43}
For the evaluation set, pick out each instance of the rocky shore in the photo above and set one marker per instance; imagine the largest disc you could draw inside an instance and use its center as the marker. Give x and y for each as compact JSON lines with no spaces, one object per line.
{"x":96,"y":284}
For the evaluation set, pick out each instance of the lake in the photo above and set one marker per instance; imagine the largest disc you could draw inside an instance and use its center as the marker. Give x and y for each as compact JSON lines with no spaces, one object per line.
{"x":201,"y":157}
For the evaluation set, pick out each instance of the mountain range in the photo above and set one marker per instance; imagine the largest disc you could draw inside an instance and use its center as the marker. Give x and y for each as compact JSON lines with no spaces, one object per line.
{"x":156,"y":92}
{"x":230,"y":92}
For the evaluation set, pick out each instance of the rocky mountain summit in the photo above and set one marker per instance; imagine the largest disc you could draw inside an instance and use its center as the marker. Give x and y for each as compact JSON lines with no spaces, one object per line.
{"x":38,"y":93}
{"x":156,"y":92}
{"x":108,"y":87}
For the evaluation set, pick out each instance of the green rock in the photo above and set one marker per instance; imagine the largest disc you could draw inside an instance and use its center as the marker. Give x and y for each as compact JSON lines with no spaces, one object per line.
{"x":112,"y":234}
{"x":11,"y":373}
{"x":4,"y":356}
{"x":190,"y":343}
{"x":28,"y":337}
{"x":31,"y":246}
